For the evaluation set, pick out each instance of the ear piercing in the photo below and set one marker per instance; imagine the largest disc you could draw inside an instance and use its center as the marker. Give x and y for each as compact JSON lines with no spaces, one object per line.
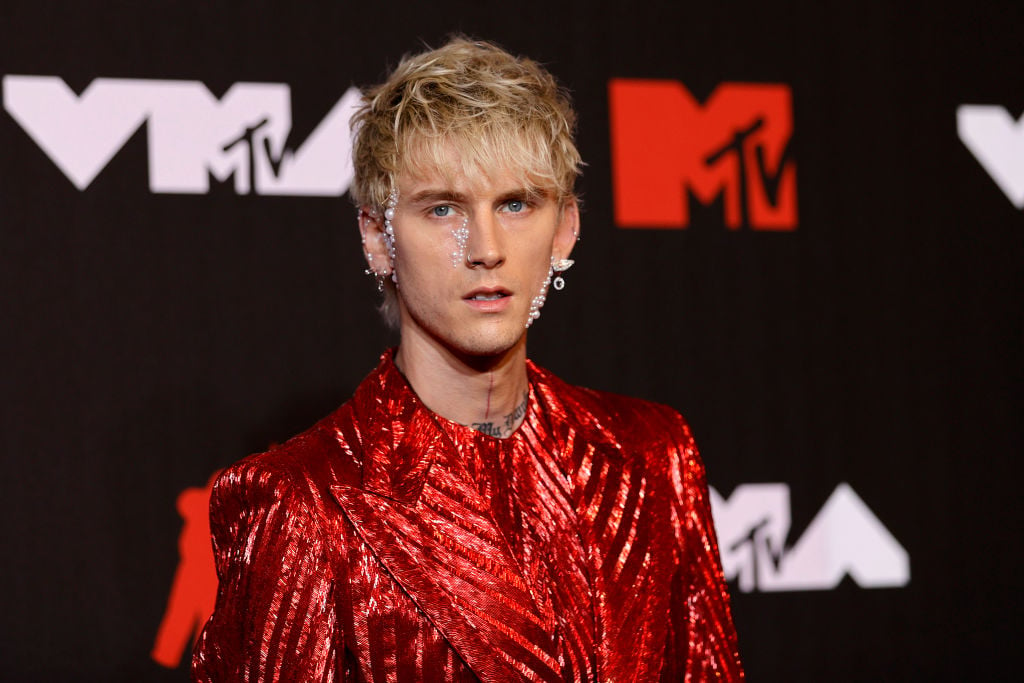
{"x":389,"y":230}
{"x":369,"y":257}
{"x":560,"y":266}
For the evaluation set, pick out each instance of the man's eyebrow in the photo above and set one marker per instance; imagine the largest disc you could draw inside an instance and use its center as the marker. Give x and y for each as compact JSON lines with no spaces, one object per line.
{"x":533,"y":193}
{"x":443,"y":195}
{"x":432,"y":195}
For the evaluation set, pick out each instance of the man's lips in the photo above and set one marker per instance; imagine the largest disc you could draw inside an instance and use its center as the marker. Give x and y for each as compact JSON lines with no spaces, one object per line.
{"x":487,"y":294}
{"x":488,"y":299}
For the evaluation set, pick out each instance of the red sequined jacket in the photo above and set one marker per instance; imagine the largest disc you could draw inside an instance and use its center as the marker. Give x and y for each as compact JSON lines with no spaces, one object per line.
{"x":389,"y":544}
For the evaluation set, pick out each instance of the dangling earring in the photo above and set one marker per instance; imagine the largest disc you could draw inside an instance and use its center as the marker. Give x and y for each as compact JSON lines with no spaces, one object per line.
{"x":560,"y":266}
{"x":379,"y":277}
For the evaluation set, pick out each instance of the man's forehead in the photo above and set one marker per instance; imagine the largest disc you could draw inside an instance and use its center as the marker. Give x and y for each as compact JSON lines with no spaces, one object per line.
{"x":462,"y":165}
{"x":453,"y":180}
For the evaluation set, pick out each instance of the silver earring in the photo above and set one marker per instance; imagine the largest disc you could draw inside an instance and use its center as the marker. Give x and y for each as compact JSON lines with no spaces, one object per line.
{"x":378,"y":276}
{"x":560,"y":266}
{"x":369,"y":262}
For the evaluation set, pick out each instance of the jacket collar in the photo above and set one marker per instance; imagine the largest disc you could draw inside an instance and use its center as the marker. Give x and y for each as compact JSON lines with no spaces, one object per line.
{"x":399,"y":437}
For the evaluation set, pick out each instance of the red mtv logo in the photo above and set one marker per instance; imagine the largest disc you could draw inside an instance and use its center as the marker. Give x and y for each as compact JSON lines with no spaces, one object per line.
{"x":667,"y":147}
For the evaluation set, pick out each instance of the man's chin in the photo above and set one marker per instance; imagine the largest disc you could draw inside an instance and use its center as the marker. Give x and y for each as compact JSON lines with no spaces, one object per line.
{"x":490,"y":344}
{"x":472,"y":338}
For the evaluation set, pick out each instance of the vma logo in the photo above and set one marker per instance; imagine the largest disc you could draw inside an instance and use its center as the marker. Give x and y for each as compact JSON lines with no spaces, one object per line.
{"x":667,"y":148}
{"x":191,"y":134}
{"x":844,"y":538}
{"x":997,"y":142}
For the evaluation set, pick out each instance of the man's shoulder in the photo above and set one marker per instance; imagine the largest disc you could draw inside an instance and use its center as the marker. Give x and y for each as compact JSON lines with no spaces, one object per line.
{"x":626,"y":419}
{"x":319,"y":456}
{"x":642,"y":432}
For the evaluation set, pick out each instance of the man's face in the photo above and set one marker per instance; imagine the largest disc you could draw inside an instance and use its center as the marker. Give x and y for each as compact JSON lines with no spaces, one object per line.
{"x":471,"y":294}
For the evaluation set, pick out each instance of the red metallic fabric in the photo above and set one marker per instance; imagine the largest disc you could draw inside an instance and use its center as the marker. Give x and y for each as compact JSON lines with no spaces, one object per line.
{"x":387,"y":544}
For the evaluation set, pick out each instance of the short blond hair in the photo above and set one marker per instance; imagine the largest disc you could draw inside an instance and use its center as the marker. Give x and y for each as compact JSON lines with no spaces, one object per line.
{"x":495,"y":110}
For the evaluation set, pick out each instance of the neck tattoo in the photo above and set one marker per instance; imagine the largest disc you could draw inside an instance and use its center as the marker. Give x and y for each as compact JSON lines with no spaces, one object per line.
{"x":504,"y":427}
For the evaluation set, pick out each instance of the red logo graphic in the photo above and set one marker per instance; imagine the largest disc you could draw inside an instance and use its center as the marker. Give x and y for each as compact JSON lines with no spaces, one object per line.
{"x":667,"y":147}
{"x":194,"y":589}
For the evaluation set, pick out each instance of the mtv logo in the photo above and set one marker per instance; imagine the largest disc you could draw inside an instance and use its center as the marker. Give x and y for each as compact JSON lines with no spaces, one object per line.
{"x":844,"y":538}
{"x":191,"y":134}
{"x":666,"y":146}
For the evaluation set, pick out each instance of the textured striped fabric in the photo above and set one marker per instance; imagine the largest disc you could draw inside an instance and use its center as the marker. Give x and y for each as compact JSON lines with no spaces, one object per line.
{"x":387,"y":544}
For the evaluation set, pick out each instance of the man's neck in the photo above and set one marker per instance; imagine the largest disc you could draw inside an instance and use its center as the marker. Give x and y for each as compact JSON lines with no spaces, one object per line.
{"x":488,"y":394}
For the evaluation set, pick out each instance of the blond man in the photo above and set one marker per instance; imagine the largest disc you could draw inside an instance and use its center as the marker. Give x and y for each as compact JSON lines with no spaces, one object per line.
{"x":467,"y":515}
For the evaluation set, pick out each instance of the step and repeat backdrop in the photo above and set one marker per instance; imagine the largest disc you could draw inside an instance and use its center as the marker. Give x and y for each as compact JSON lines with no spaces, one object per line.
{"x":803,"y":228}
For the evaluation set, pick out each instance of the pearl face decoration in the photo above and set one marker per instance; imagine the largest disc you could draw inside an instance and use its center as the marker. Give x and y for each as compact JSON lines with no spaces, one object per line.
{"x":389,"y":231}
{"x":461,"y":235}
{"x":538,"y":301}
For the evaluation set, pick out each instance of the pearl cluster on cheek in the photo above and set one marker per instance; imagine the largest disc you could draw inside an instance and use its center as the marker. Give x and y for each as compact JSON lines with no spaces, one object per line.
{"x":461,"y":235}
{"x":538,"y":301}
{"x":389,"y":230}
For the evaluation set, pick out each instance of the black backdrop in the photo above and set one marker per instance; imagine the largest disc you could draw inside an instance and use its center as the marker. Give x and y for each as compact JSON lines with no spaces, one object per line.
{"x":150,"y":338}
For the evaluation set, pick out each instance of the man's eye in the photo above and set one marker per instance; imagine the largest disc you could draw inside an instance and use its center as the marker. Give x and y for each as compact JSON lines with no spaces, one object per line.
{"x":442,"y":211}
{"x":515,"y":206}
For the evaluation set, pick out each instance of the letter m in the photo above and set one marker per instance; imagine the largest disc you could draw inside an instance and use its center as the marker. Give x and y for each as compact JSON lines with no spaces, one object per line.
{"x":667,"y":148}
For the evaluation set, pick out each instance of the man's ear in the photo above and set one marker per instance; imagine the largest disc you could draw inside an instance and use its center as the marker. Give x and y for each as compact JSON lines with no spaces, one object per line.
{"x":568,"y":229}
{"x":371,"y":227}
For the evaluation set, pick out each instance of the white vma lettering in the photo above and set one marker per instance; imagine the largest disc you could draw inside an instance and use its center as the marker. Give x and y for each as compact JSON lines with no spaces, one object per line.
{"x":191,"y":134}
{"x":845,"y":537}
{"x":997,"y":142}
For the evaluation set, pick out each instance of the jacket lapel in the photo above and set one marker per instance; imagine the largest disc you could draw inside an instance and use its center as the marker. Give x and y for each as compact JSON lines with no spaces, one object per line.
{"x":424,"y":519}
{"x":622,"y":496}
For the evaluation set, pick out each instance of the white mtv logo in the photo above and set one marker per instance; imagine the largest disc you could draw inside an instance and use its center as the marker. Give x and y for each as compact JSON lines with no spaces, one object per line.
{"x":997,"y":142}
{"x":844,"y":538}
{"x":191,"y":134}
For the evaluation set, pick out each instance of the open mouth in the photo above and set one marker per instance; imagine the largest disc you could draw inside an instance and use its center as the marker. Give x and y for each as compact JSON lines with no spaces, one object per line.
{"x":488,"y":294}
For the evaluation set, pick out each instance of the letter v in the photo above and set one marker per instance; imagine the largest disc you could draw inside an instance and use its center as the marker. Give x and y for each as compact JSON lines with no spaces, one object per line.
{"x":79,"y":134}
{"x":997,"y":142}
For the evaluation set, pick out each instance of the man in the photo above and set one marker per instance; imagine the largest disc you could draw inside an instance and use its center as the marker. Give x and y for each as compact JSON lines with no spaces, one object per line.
{"x":467,"y":515}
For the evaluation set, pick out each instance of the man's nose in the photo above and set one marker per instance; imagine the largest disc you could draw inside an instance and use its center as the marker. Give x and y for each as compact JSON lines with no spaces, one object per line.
{"x":485,"y":244}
